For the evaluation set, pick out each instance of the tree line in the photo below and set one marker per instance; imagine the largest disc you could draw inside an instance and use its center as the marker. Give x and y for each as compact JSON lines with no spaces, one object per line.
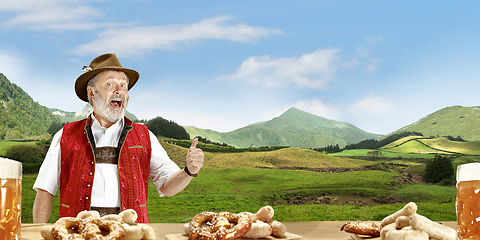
{"x":210,"y":146}
{"x":167,"y":128}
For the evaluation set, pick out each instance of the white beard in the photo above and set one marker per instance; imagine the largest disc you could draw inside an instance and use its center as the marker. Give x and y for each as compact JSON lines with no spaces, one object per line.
{"x":104,"y":110}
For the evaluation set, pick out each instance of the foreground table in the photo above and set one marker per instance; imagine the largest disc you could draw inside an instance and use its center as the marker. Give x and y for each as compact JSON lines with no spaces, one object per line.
{"x":308,"y":230}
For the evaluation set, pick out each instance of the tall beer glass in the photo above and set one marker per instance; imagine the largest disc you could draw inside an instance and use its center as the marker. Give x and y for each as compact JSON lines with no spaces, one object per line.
{"x":10,"y":199}
{"x":468,"y":201}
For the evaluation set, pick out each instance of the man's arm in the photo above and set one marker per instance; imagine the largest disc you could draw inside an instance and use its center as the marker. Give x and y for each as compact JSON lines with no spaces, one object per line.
{"x":179,"y":180}
{"x":42,"y":207}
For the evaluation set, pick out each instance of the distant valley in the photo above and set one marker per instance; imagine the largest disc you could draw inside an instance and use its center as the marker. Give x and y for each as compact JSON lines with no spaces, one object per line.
{"x":24,"y":118}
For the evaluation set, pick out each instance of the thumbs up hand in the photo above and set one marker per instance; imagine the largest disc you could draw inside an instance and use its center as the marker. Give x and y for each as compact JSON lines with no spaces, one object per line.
{"x":195,"y":158}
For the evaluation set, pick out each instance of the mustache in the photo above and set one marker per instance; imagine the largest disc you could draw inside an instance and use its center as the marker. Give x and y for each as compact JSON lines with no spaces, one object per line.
{"x":117,"y":96}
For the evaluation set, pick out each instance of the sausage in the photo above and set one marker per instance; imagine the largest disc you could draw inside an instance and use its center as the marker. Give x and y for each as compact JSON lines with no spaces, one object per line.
{"x":433,"y":229}
{"x":390,"y":232}
{"x":408,"y":210}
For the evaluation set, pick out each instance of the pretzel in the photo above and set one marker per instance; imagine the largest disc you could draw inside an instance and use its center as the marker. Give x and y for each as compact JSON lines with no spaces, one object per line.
{"x":95,"y":228}
{"x":224,"y":225}
{"x":371,"y":228}
{"x":67,"y":228}
{"x":89,"y":225}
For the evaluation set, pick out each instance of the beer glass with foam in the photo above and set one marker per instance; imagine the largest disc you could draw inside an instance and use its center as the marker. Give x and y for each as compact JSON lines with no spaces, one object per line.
{"x":10,"y":199}
{"x":468,"y":201}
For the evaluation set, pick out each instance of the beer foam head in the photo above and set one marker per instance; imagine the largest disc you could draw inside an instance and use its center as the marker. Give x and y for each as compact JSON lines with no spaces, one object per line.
{"x":468,"y":172}
{"x":10,"y":168}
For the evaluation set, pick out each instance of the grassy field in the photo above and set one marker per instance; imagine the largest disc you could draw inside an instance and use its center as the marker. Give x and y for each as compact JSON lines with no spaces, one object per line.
{"x":384,"y":153}
{"x":440,"y":145}
{"x":400,"y":141}
{"x":248,"y":189}
{"x":300,"y":184}
{"x":4,"y":145}
{"x":467,"y":148}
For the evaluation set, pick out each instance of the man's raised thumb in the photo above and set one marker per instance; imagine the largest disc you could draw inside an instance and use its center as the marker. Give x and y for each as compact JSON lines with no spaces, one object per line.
{"x":194,"y":143}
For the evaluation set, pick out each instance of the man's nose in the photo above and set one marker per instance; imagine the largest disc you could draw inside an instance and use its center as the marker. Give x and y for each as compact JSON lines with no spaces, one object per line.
{"x":118,"y":89}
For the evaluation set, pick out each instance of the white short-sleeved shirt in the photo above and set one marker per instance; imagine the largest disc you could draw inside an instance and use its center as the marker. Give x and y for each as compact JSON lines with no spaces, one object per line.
{"x":105,"y":190}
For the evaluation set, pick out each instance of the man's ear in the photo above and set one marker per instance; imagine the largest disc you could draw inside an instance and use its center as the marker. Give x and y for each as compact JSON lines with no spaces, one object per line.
{"x":90,"y":92}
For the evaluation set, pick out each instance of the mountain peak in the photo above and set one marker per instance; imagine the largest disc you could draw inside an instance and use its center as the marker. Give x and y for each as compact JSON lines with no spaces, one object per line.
{"x":297,"y":113}
{"x":294,"y":128}
{"x":297,"y":121}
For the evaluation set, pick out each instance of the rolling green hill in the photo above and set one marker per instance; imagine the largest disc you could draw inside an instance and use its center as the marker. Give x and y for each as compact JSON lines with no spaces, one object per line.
{"x":415,"y":146}
{"x":294,"y":128}
{"x":454,"y":121}
{"x":287,"y":158}
{"x":439,"y":145}
{"x":21,"y":116}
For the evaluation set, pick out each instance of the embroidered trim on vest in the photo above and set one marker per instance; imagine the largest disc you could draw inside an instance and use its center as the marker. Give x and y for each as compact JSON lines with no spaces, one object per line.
{"x":78,"y":166}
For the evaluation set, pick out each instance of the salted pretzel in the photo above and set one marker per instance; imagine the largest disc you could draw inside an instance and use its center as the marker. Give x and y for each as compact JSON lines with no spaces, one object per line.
{"x":67,"y":228}
{"x":89,"y":225}
{"x":221,"y":226}
{"x":101,"y":229}
{"x":371,"y":228}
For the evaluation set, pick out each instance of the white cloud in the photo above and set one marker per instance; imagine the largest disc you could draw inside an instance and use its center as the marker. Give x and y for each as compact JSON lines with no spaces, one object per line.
{"x":320,"y":108}
{"x":133,"y":41}
{"x":311,"y":70}
{"x":372,"y":105}
{"x":368,"y":106}
{"x":366,"y":54}
{"x":365,"y":48}
{"x":12,"y":67}
{"x":51,"y":15}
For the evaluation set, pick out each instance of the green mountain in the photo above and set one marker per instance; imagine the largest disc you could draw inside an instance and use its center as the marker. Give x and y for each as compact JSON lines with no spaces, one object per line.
{"x":75,"y":116}
{"x":21,"y":117}
{"x":450,"y":121}
{"x":294,"y":128}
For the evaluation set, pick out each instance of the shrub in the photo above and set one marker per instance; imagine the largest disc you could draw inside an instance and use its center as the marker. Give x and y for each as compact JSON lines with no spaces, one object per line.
{"x":448,"y":181}
{"x":438,"y":169}
{"x":30,"y":155}
{"x":55,"y":127}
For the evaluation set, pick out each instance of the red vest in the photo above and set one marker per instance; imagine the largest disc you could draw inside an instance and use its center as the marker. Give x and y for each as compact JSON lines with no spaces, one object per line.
{"x":78,"y":168}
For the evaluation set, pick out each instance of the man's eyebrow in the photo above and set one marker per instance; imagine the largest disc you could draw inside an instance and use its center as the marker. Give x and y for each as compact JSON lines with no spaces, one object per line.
{"x":114,"y":77}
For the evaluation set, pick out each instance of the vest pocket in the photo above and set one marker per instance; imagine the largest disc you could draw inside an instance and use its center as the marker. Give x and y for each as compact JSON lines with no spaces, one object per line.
{"x":64,"y":205}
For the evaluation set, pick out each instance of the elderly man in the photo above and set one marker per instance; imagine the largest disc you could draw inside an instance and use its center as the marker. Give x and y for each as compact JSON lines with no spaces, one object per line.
{"x":104,"y":162}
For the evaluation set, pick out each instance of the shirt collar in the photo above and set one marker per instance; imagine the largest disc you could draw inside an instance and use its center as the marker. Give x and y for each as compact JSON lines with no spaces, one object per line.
{"x":96,"y":124}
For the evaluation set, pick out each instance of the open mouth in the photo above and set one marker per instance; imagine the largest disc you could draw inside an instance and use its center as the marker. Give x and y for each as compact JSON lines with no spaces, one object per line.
{"x":116,"y":104}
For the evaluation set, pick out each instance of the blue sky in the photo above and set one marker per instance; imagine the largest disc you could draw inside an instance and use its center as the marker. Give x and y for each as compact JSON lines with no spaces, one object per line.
{"x":221,"y":65}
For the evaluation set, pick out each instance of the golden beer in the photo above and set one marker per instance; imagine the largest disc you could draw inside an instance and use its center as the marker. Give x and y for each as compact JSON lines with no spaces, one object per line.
{"x":10,"y":195}
{"x":468,"y":209}
{"x":10,"y":199}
